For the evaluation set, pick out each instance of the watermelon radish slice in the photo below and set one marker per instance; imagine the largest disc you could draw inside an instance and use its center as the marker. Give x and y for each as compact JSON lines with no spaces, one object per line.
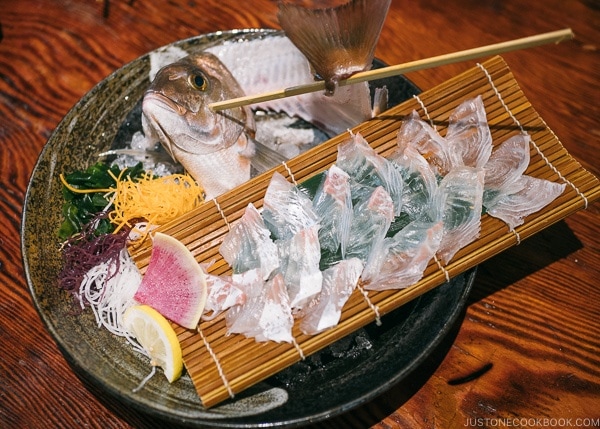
{"x":174,"y":283}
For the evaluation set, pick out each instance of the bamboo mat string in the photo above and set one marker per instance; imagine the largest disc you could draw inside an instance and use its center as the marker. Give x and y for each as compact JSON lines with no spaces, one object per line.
{"x":372,"y":306}
{"x":416,"y":97}
{"x":290,"y":172}
{"x":298,"y":349}
{"x":441,"y":267}
{"x":536,"y":147}
{"x":214,"y":357}
{"x":220,"y":210}
{"x":517,"y":236}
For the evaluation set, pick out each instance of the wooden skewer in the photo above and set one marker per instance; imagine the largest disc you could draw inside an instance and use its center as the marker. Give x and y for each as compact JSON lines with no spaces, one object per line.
{"x":489,"y":50}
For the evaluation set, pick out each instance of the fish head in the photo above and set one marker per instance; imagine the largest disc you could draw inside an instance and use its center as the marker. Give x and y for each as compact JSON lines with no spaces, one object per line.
{"x":176,"y":106}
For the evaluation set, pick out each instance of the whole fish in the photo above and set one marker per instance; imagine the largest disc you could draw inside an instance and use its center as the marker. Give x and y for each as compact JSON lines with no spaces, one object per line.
{"x":214,"y":147}
{"x":219,"y":149}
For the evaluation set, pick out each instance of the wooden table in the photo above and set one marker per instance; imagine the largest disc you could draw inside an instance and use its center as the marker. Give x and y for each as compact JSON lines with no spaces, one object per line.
{"x":527,"y":351}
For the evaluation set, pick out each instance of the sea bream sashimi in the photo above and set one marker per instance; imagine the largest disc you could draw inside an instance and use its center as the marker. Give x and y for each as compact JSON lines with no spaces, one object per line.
{"x":248,"y":245}
{"x":371,"y":221}
{"x":420,"y":185}
{"x":222,"y":294}
{"x":286,"y":209}
{"x":468,"y":140}
{"x":460,"y":196}
{"x":332,"y":203}
{"x":339,"y":281}
{"x":468,"y":134}
{"x":299,"y":258}
{"x":266,"y":314}
{"x":401,"y":260}
{"x":368,"y":170}
{"x":509,"y":194}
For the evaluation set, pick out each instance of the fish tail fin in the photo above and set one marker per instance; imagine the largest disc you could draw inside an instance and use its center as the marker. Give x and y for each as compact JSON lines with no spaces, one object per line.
{"x":337,"y":41}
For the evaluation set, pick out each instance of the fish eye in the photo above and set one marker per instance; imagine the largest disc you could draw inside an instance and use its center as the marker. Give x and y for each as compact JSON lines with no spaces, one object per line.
{"x":198,"y":81}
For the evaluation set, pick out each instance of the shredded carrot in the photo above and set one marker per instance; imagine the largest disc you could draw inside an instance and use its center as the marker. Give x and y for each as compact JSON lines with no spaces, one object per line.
{"x":157,"y":200}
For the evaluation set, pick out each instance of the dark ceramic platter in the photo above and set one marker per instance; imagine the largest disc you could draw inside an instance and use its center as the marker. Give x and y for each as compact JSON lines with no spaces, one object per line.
{"x":344,"y":375}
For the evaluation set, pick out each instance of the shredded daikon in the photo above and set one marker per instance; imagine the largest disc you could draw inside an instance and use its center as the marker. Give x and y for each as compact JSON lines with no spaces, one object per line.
{"x":109,"y":294}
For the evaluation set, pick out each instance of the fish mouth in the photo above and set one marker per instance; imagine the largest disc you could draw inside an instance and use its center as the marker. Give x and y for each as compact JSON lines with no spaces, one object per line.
{"x":160,"y":100}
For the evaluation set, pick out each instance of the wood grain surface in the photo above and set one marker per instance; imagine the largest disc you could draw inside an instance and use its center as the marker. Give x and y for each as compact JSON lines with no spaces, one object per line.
{"x":527,"y":351}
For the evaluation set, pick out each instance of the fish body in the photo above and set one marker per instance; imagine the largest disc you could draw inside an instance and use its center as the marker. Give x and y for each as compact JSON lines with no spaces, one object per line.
{"x":213,"y":147}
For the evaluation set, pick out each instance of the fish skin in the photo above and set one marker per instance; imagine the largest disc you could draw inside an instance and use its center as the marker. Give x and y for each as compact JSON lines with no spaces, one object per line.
{"x":214,"y":147}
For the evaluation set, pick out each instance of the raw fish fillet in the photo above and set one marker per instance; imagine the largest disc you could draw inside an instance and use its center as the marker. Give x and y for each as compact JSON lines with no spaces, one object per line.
{"x":333,"y":205}
{"x":534,"y":195}
{"x":468,"y":135}
{"x":325,"y":311}
{"x":418,"y":134}
{"x":504,"y":169}
{"x":286,"y":209}
{"x":420,"y":185}
{"x":460,"y":196}
{"x":299,"y":264}
{"x":401,"y":260}
{"x":369,"y":169}
{"x":248,"y":245}
{"x":222,"y":294}
{"x":371,"y":220}
{"x":272,"y":63}
{"x":266,"y":315}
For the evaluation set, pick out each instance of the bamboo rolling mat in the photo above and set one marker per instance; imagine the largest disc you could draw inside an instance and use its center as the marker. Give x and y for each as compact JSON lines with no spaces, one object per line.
{"x":222,"y":365}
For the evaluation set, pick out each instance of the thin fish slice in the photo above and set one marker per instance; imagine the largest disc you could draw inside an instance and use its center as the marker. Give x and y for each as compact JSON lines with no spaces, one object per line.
{"x":299,"y":265}
{"x":505,"y":167}
{"x":286,"y":209}
{"x":248,"y":245}
{"x":460,"y":196}
{"x":371,"y":220}
{"x":420,"y":185}
{"x":369,"y":169}
{"x":222,"y":294}
{"x":266,"y":315}
{"x":333,"y":204}
{"x":534,"y":195}
{"x":468,"y":134}
{"x":401,"y":260}
{"x":418,"y":134}
{"x":338,"y":41}
{"x":325,"y":311}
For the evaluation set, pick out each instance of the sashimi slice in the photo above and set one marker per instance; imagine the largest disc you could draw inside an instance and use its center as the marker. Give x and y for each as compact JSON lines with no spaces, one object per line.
{"x":369,"y":169}
{"x":420,"y":185}
{"x":325,"y":311}
{"x":461,"y":198}
{"x":266,"y":315}
{"x":505,"y":167}
{"x":222,"y":294}
{"x":174,"y":283}
{"x":333,"y":204}
{"x":418,"y":134}
{"x":468,"y":134}
{"x":534,"y":195}
{"x":300,"y":257}
{"x":371,"y":220}
{"x":286,"y":209}
{"x":248,"y":245}
{"x":401,"y":260}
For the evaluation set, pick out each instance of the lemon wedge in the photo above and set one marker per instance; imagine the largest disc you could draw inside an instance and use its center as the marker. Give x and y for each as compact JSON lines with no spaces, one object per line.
{"x":156,"y":335}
